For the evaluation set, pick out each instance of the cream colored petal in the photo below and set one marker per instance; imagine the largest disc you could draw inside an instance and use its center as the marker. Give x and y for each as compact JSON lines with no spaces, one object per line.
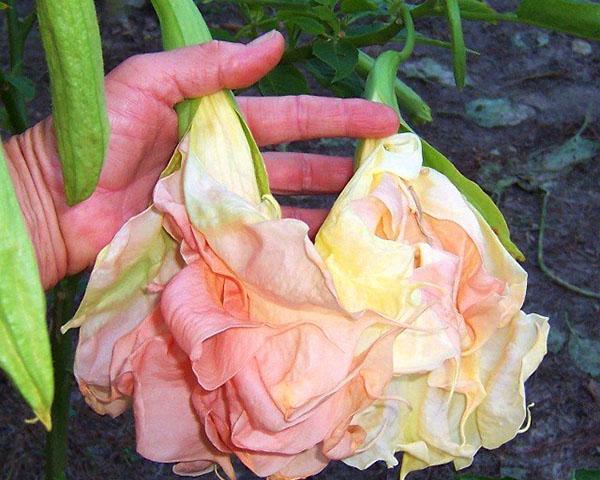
{"x":220,"y":178}
{"x":509,"y":358}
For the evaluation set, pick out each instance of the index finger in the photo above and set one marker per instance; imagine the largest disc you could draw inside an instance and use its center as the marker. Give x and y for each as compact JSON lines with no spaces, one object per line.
{"x":293,"y":118}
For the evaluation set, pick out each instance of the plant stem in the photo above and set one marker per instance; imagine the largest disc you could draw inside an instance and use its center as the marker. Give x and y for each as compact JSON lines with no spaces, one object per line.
{"x":62,"y":354}
{"x":542,"y":263}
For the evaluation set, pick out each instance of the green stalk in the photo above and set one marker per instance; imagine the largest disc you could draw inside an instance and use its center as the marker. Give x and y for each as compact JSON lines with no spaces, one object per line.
{"x":62,"y":353}
{"x":184,"y":26}
{"x":181,"y":25}
{"x":409,"y":101}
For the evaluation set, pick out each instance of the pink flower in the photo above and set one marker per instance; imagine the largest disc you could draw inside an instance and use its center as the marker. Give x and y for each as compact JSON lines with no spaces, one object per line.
{"x":218,"y":322}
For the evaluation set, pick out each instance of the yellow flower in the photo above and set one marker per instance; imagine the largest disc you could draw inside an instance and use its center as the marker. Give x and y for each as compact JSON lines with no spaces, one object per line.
{"x":402,"y":242}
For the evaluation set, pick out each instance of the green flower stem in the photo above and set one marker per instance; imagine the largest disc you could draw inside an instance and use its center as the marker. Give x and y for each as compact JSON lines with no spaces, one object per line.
{"x":62,"y":354}
{"x":381,"y":82}
{"x":182,"y":25}
{"x":409,"y":101}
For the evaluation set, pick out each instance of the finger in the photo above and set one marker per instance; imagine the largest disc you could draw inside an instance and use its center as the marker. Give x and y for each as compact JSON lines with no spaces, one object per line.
{"x":313,"y":217}
{"x":292,"y":118}
{"x":296,"y":173}
{"x":200,"y":70}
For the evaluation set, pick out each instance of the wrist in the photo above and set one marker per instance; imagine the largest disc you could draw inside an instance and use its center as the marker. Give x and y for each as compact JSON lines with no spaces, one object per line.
{"x":30,"y":157}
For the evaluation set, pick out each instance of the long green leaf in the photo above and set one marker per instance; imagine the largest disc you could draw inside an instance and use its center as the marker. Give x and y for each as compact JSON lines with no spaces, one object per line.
{"x":69,"y":31}
{"x":24,"y":345}
{"x":459,"y":52}
{"x":576,"y":17}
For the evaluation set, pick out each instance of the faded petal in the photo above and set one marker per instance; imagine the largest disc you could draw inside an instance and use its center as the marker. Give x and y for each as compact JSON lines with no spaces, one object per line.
{"x":123,"y":290}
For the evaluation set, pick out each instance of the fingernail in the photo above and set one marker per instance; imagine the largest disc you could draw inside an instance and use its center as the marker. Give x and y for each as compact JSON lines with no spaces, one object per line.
{"x":265,"y":37}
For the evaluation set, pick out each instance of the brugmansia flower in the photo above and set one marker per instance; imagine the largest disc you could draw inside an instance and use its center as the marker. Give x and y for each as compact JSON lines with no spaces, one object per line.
{"x":218,"y":322}
{"x":231,"y":333}
{"x":429,"y":262}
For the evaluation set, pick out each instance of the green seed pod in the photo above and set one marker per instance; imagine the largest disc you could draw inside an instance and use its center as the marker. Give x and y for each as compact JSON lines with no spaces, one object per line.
{"x":24,"y":345}
{"x":69,"y":31}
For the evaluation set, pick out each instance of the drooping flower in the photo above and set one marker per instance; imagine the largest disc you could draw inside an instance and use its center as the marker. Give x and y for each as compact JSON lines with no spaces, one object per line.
{"x":217,"y":320}
{"x":231,"y":333}
{"x":430,"y":263}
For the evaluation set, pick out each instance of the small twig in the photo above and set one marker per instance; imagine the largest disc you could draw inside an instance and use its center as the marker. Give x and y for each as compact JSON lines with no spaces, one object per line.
{"x":542,"y":264}
{"x":535,"y":76}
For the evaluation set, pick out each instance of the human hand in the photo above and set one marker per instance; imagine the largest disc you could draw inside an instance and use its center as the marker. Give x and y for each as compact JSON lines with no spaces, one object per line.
{"x":141,"y":93}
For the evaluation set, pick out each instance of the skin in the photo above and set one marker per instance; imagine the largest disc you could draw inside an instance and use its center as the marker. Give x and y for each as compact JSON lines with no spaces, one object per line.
{"x":141,"y":93}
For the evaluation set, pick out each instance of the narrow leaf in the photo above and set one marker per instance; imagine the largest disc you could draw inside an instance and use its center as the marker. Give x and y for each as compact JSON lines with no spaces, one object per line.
{"x":577,"y":17}
{"x":24,"y":344}
{"x":459,"y":53}
{"x":69,"y":31}
{"x":477,"y":10}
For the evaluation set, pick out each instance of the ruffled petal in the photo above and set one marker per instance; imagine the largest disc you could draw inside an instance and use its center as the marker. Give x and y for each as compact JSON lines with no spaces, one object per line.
{"x":123,"y":290}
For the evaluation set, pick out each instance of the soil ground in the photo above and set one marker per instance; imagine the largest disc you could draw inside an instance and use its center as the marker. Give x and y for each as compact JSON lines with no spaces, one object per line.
{"x":545,"y":73}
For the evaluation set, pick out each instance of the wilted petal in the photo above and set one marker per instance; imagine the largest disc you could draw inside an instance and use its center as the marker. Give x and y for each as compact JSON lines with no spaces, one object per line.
{"x":122,"y":292}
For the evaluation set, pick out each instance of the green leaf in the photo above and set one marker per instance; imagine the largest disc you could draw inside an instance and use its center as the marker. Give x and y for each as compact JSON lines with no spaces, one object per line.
{"x":349,"y":87}
{"x":71,"y":38}
{"x":3,"y":6}
{"x":222,"y":34}
{"x":459,"y":53}
{"x":577,"y":17}
{"x":356,"y":6}
{"x":477,"y":10}
{"x":283,"y":80}
{"x":340,"y":55}
{"x":24,"y":344}
{"x":22,"y":84}
{"x":304,"y":23}
{"x":586,"y":475}
{"x":326,"y":15}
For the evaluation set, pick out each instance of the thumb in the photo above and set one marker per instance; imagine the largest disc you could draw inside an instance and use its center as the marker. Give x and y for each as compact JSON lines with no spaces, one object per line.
{"x":200,"y":70}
